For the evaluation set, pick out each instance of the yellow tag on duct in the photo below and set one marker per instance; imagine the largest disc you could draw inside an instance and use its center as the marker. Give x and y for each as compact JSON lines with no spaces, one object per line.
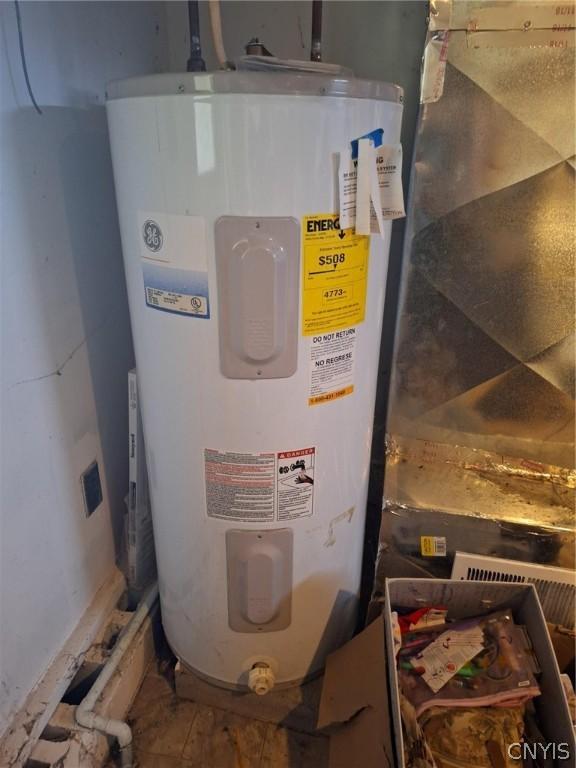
{"x":335,"y":275}
{"x":433,"y":546}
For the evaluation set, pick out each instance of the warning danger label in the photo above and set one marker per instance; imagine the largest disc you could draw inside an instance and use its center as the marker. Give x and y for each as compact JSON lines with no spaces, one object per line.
{"x":240,"y":486}
{"x":332,"y":366}
{"x":259,"y":487}
{"x":296,"y":483}
{"x":335,"y":275}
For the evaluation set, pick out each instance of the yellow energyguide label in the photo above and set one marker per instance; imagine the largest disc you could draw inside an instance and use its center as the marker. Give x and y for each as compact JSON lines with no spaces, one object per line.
{"x":335,"y":275}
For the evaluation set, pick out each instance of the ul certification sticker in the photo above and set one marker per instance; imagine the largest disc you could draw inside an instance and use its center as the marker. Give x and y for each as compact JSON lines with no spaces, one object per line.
{"x":332,"y":366}
{"x":295,"y":483}
{"x":174,"y":263}
{"x":335,"y":275}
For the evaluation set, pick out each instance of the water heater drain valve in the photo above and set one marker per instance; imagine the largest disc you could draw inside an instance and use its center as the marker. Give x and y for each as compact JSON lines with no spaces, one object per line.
{"x":261,"y":678}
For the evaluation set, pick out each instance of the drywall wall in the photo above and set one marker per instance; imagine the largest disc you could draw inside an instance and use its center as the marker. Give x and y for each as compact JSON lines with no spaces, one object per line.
{"x":282,"y":25}
{"x":66,"y":343}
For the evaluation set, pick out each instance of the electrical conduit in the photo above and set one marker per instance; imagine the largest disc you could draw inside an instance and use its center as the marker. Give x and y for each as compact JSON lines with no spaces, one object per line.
{"x":195,"y":62}
{"x":85,"y":715}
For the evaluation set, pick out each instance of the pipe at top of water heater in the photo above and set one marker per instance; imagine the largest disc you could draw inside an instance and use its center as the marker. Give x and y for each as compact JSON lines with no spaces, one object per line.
{"x":216,"y":25}
{"x":195,"y":62}
{"x":316,"y":46}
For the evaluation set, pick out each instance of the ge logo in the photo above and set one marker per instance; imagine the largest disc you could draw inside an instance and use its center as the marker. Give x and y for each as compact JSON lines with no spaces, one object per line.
{"x":196,"y":303}
{"x":153,"y":237}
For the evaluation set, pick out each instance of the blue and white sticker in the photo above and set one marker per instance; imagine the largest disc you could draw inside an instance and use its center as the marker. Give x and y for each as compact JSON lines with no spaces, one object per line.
{"x":174,"y":263}
{"x":182,"y":291}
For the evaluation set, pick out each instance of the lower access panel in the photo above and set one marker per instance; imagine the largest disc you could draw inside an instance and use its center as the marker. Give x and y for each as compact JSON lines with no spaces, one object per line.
{"x":259,"y":579}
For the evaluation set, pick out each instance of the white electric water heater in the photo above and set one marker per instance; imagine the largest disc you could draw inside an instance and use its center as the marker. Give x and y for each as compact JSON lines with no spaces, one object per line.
{"x":256,"y":324}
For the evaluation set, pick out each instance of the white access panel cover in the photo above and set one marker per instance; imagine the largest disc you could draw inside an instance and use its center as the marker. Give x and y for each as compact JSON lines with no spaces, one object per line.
{"x":258,"y":272}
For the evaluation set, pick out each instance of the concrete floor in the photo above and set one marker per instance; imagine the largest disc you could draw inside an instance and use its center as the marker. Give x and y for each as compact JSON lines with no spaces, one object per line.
{"x":177,"y":733}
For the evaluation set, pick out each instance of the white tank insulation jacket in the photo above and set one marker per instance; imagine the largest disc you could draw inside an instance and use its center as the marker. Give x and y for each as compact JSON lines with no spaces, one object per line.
{"x":256,"y":325}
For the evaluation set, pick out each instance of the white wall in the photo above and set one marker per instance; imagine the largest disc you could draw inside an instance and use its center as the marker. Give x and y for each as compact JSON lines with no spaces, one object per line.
{"x":283,"y":25}
{"x":66,"y":343}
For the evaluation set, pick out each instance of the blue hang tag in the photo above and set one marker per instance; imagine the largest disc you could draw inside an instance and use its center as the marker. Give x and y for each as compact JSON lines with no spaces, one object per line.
{"x":376,"y":137}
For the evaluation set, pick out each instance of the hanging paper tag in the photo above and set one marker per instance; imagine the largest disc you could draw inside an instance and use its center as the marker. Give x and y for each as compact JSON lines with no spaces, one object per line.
{"x":376,"y":218}
{"x":347,"y":177}
{"x":364,"y":186}
{"x":389,"y":169}
{"x":434,"y":67}
{"x":370,"y":185}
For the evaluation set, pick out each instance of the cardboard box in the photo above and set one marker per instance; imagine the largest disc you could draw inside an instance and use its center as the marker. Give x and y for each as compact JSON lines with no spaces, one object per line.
{"x":564,"y":644}
{"x":355,"y":702}
{"x":359,"y":704}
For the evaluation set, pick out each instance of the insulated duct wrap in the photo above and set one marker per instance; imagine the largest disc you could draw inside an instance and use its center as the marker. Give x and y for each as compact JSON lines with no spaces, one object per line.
{"x":481,"y":414}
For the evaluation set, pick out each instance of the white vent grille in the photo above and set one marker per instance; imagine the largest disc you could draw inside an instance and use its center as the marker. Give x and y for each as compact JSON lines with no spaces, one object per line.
{"x":556,"y":587}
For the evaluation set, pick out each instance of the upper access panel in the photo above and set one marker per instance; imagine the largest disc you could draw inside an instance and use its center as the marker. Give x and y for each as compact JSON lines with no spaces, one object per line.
{"x":258,"y":266}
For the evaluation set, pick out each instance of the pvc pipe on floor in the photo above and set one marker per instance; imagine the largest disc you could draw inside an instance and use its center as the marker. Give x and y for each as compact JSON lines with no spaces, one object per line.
{"x":85,"y":715}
